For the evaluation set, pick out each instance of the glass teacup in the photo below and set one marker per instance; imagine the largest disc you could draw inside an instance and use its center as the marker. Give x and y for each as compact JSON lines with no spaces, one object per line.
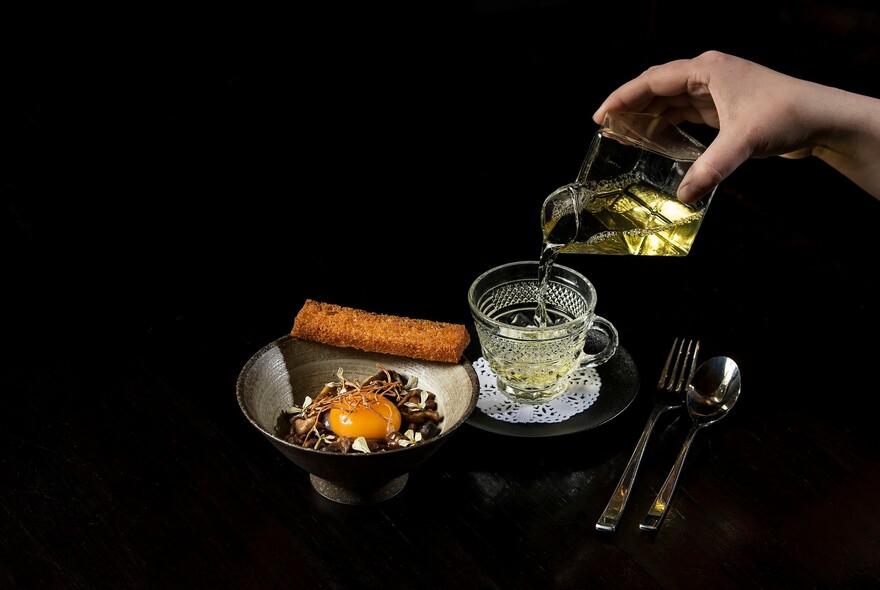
{"x":534,"y":359}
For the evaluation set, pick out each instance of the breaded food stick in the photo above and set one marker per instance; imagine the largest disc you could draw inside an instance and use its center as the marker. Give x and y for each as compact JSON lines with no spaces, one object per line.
{"x":374,"y":332}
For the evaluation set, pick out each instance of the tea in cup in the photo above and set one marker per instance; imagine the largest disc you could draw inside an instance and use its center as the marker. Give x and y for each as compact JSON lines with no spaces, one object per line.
{"x":624,"y":198}
{"x":532,"y":335}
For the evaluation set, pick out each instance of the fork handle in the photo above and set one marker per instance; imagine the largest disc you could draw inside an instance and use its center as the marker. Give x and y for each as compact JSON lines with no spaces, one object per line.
{"x":609,"y":518}
{"x":658,"y":510}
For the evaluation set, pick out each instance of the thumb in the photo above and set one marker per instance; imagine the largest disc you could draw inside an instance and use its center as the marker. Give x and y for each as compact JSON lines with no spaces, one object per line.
{"x":721,"y":158}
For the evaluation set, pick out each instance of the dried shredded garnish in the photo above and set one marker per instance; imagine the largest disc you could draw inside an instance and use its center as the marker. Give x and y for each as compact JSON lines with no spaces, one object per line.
{"x":417,"y":408}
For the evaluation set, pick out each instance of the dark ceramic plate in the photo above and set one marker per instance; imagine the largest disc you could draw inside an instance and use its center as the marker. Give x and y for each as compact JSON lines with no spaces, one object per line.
{"x":620,"y":384}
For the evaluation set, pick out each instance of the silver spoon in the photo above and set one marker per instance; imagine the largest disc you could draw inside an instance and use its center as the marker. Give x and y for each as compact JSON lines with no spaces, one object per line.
{"x":713,"y":391}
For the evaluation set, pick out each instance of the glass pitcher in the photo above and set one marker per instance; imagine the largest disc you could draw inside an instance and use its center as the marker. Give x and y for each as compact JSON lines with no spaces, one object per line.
{"x":623,"y":201}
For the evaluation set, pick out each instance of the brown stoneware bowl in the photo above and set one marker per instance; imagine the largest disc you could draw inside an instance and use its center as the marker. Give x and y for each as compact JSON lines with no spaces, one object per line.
{"x":287,"y":370}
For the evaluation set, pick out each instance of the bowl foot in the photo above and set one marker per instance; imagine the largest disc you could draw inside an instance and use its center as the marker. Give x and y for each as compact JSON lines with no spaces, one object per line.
{"x":345,"y":495}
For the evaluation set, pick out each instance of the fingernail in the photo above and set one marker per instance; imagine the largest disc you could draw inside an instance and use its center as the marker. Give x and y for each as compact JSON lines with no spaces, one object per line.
{"x":687,"y":193}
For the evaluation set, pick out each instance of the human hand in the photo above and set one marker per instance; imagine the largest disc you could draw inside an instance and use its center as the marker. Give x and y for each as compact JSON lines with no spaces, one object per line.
{"x":758,"y":112}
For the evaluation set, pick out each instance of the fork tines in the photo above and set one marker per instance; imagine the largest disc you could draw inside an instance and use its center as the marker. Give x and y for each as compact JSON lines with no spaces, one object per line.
{"x":682,"y":355}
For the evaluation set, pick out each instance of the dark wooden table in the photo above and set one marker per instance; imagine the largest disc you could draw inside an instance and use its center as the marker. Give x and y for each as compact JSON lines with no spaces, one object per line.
{"x":175,"y":198}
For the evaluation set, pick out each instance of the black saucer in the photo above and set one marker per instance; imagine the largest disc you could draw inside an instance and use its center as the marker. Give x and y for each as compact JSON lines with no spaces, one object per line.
{"x":620,"y":384}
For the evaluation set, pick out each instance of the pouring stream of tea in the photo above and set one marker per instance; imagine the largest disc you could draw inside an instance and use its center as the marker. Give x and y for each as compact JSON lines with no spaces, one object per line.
{"x":545,"y":270}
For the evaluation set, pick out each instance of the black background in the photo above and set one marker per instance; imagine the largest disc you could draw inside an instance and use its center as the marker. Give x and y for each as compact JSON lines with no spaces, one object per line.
{"x":228,"y":163}
{"x":197,"y":175}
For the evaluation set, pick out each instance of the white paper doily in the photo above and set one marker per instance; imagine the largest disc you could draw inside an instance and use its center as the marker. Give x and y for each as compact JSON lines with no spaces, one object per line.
{"x":581,"y":394}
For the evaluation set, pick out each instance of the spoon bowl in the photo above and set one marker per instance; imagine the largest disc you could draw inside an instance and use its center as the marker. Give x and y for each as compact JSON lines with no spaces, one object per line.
{"x":713,"y":391}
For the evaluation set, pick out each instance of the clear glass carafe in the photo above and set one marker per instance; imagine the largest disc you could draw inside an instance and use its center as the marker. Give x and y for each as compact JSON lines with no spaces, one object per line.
{"x":623,"y":201}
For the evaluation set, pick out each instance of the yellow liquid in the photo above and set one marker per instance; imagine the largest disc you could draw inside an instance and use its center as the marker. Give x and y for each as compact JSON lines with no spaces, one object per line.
{"x":629,"y":217}
{"x":531,"y":365}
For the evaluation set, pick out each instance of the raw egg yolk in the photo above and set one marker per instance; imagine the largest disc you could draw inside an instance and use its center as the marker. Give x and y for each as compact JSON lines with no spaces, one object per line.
{"x":369,"y":416}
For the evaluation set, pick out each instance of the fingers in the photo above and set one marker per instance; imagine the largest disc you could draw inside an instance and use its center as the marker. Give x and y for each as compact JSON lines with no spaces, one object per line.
{"x":720,"y":159}
{"x":651,"y":89}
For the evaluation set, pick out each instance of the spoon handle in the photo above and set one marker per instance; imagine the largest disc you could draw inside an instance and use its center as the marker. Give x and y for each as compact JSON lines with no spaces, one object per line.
{"x":658,"y":510}
{"x":609,"y":518}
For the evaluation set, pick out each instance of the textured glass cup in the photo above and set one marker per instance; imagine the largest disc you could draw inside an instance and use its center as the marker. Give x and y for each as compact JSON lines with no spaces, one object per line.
{"x":624,"y":199}
{"x":533,"y":362}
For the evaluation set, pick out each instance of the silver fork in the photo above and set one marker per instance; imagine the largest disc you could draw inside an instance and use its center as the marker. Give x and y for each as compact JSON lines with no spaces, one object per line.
{"x":670,"y":394}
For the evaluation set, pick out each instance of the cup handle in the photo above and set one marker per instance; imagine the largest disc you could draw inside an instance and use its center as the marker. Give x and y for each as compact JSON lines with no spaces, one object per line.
{"x":612,"y":340}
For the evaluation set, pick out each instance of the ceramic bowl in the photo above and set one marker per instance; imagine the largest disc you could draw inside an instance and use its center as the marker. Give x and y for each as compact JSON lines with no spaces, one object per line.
{"x":287,"y":370}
